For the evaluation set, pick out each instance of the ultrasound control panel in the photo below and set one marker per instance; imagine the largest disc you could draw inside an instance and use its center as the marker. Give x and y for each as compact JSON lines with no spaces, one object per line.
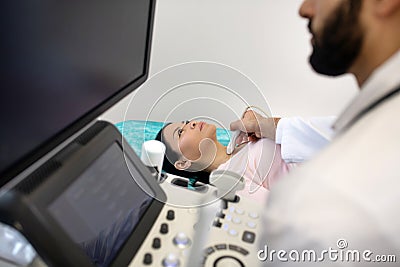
{"x":94,"y":203}
{"x":230,"y":238}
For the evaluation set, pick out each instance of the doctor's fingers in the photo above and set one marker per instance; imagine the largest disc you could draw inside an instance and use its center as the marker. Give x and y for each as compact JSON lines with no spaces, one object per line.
{"x":251,"y":114}
{"x":242,"y":138}
{"x":245,"y":125}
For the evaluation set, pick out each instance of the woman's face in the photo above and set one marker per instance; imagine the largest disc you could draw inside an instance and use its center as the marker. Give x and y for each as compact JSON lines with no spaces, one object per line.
{"x":190,"y":138}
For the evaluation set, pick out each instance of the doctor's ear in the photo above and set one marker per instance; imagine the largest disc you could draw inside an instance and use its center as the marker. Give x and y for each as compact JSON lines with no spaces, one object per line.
{"x":182,"y":164}
{"x":385,"y":8}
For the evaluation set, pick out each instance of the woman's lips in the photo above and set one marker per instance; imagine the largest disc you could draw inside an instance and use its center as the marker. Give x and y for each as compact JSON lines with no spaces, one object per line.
{"x":201,"y":125}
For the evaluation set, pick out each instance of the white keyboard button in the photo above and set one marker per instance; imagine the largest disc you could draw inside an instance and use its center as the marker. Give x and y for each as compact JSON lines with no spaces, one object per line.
{"x":239,"y":211}
{"x":251,"y":224}
{"x":233,"y":232}
{"x":236,"y":220}
{"x":253,"y":215}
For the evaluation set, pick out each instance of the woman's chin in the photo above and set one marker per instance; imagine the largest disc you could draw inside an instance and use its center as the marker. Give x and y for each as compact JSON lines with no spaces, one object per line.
{"x":212,"y":131}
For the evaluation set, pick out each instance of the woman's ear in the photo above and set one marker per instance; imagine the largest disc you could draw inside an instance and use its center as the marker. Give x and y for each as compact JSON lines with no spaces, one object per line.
{"x":182,"y":164}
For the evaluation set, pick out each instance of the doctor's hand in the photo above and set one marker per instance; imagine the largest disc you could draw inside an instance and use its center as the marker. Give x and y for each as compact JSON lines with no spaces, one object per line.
{"x":254,"y":126}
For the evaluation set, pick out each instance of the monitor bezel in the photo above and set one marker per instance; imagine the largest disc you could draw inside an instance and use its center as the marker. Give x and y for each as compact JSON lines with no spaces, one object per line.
{"x":26,"y":206}
{"x":31,"y":157}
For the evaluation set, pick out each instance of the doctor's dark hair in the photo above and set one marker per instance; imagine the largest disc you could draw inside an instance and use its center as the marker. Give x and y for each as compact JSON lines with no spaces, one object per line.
{"x":171,"y":157}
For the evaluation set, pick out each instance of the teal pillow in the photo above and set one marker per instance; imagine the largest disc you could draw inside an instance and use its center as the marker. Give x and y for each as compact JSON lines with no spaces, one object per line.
{"x":136,"y":132}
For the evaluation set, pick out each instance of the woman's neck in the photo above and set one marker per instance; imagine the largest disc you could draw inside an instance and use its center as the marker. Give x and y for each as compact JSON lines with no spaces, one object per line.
{"x":221,"y":156}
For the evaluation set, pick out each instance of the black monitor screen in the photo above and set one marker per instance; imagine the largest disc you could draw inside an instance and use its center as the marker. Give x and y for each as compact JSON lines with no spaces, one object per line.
{"x":62,"y":64}
{"x":102,"y":207}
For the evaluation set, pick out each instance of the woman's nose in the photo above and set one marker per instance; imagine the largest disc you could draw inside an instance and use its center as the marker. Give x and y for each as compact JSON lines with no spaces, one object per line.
{"x":193,"y":124}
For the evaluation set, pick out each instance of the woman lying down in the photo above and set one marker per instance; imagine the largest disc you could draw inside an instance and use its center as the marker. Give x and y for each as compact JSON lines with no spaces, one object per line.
{"x":192,"y":149}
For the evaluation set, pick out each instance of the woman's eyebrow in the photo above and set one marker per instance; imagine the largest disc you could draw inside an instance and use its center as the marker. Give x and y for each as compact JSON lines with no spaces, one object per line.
{"x":176,"y":129}
{"x":173,"y":134}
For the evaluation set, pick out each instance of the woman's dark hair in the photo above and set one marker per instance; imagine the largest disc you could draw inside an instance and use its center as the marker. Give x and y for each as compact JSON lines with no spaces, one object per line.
{"x":169,"y":167}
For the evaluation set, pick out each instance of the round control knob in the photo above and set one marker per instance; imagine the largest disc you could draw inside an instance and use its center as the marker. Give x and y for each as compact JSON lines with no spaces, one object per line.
{"x":164,"y":228}
{"x":228,"y":261}
{"x":148,"y":259}
{"x":170,"y":215}
{"x":156,"y":243}
{"x":181,"y":240}
{"x":171,"y":261}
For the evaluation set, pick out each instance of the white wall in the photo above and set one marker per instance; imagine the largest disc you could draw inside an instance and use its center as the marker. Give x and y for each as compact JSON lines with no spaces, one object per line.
{"x":265,"y":40}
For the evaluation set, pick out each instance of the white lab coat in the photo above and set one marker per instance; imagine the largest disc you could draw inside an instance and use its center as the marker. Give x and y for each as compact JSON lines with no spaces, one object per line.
{"x":351,"y":190}
{"x":302,"y":138}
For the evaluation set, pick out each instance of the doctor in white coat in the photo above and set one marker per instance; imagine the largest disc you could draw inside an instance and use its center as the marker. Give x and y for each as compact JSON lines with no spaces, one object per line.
{"x":342,"y":208}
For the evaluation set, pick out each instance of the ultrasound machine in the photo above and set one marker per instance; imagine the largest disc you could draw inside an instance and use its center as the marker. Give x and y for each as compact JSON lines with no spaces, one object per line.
{"x":70,"y":184}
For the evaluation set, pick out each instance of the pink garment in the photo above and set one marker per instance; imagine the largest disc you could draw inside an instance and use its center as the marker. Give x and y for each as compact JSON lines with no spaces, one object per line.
{"x":261,"y":164}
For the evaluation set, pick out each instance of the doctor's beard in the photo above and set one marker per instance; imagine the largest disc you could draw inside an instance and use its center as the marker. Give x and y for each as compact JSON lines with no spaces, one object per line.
{"x":339,"y":44}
